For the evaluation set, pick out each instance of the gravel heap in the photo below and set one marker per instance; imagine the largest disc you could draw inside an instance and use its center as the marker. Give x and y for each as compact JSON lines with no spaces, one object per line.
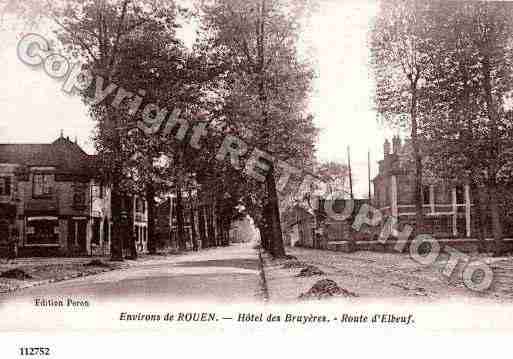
{"x":326,"y":288}
{"x":310,"y":271}
{"x":291,"y":257}
{"x":293,"y":264}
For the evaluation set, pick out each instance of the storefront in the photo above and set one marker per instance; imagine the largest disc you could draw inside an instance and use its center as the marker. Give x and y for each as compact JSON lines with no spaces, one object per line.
{"x":8,"y":232}
{"x":42,"y":231}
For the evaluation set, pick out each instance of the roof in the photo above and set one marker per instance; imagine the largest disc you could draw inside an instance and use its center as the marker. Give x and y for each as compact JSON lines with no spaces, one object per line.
{"x":63,"y":154}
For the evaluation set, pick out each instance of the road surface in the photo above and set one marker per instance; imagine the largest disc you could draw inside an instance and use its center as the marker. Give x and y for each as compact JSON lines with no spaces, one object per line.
{"x":224,"y":275}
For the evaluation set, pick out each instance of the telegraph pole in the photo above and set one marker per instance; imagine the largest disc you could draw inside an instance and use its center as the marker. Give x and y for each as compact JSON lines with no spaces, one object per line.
{"x":350,"y":171}
{"x":369,"y":168}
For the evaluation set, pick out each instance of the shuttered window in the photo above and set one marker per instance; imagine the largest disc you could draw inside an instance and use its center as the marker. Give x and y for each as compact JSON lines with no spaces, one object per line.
{"x":5,"y":186}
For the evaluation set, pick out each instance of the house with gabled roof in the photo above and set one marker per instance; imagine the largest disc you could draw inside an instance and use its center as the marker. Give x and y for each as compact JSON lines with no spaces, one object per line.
{"x":52,"y":202}
{"x":450,"y":206}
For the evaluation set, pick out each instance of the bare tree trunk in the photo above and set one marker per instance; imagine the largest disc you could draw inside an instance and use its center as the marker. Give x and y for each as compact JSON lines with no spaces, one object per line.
{"x":195,"y":246}
{"x":128,"y":229}
{"x":266,"y":237}
{"x":116,"y":241}
{"x":211,"y":229}
{"x":226,"y":231}
{"x":202,"y":227}
{"x":219,"y":221}
{"x":419,"y":208}
{"x":150,"y":200}
{"x":272,"y":214}
{"x":277,"y":246}
{"x":179,"y":217}
{"x":496,"y":220}
{"x":194,"y":237}
{"x":479,"y":216}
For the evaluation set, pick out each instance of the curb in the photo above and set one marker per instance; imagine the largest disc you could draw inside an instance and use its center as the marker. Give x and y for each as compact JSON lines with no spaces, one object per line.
{"x":55,"y":280}
{"x":265,"y":288}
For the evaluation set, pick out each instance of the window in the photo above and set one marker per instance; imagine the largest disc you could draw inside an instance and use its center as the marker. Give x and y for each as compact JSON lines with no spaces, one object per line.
{"x":79,"y":199}
{"x":5,"y":186}
{"x":42,"y":185}
{"x":444,"y":224}
{"x":460,"y":195}
{"x":43,"y":231}
{"x":139,"y":205}
{"x":426,"y":194}
{"x":99,"y":191}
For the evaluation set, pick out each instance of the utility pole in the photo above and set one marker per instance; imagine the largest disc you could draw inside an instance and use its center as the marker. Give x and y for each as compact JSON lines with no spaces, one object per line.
{"x":350,"y":171}
{"x":369,"y":171}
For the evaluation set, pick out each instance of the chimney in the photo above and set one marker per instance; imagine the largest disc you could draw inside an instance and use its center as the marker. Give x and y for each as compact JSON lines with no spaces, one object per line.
{"x":397,"y":144}
{"x":387,"y":147}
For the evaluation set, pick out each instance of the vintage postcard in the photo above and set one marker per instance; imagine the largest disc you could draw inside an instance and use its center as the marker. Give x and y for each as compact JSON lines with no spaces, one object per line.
{"x":301,"y":169}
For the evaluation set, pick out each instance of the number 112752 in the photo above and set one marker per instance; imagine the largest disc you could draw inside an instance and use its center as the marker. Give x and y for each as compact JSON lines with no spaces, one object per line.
{"x":34,"y":351}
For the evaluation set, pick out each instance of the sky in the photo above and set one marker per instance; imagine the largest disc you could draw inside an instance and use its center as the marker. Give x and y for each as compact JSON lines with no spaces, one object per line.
{"x":343,"y":99}
{"x":35,"y":110}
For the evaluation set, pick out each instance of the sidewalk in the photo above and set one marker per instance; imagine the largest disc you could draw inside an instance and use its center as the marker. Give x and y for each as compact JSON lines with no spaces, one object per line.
{"x":36,"y":271}
{"x":382,"y":276}
{"x":31,"y":272}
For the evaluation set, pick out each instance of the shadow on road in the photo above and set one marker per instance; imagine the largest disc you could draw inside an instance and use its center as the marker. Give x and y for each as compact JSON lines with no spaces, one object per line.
{"x":251,"y":264}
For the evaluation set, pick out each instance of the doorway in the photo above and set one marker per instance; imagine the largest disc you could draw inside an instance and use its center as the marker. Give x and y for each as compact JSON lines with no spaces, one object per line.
{"x":77,"y":236}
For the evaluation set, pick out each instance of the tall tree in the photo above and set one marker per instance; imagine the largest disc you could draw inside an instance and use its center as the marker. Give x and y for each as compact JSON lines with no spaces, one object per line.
{"x":266,"y":87}
{"x":468,"y":127}
{"x":400,"y":48}
{"x":100,"y":32}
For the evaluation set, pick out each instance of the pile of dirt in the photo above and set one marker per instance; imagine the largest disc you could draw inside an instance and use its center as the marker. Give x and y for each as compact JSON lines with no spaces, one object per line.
{"x":15,"y":274}
{"x":310,"y":271}
{"x":291,"y":257}
{"x":294,"y":264}
{"x":326,"y":288}
{"x":97,"y":263}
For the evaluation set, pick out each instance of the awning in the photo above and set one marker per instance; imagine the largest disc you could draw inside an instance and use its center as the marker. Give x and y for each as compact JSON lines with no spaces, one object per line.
{"x":42,"y":218}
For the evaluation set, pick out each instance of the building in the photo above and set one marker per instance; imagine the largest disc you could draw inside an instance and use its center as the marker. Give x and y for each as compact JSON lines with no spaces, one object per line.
{"x":448,"y":205}
{"x":314,"y":228}
{"x":137,"y":208}
{"x":299,"y":225}
{"x":52,"y":203}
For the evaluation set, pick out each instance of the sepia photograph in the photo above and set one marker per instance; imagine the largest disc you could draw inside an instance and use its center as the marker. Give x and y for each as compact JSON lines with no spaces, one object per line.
{"x":257,"y":164}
